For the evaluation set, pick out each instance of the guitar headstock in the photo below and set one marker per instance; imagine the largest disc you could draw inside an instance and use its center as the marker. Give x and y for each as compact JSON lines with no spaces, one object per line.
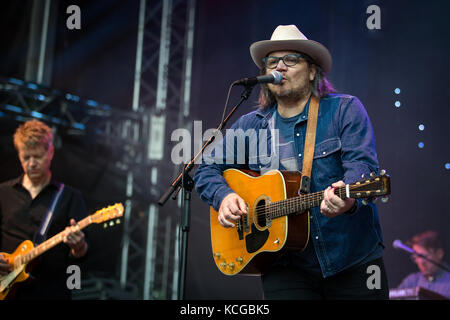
{"x":371,"y":187}
{"x":108,"y":213}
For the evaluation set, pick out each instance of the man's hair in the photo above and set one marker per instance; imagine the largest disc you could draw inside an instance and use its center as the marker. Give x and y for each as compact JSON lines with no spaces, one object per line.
{"x":32,"y":134}
{"x":428,"y":240}
{"x":321,"y":87}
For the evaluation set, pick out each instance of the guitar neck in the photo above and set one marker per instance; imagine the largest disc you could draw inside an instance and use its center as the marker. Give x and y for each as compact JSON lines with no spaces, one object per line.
{"x":301,"y":203}
{"x":50,"y":243}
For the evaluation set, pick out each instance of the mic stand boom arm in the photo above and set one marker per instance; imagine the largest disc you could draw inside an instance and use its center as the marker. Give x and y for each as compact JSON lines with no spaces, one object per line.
{"x":177,"y":183}
{"x":442,"y":265}
{"x":185,"y":182}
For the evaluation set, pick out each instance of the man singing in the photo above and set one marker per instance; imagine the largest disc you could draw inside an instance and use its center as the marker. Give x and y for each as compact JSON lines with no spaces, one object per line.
{"x":345,"y":235}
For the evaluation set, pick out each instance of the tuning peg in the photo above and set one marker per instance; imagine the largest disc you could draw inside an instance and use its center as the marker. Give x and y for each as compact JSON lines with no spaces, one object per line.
{"x":111,"y":223}
{"x":372,"y":174}
{"x":383,"y":172}
{"x":384,"y":199}
{"x":118,"y":221}
{"x":105,"y":225}
{"x":363,"y":176}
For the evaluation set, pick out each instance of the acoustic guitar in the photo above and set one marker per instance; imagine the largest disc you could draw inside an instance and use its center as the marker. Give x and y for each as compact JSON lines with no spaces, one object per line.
{"x":26,"y":252}
{"x":277,"y":219}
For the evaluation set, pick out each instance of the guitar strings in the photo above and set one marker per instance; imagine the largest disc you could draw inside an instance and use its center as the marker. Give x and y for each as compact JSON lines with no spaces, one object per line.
{"x":285,"y":204}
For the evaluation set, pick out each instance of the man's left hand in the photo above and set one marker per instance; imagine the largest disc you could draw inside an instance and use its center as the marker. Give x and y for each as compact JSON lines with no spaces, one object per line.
{"x":74,"y":238}
{"x":333,"y":206}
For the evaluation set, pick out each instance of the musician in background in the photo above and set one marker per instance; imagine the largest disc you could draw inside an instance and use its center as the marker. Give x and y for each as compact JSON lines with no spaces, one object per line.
{"x":430,"y":276}
{"x":345,"y":235}
{"x":24,"y":202}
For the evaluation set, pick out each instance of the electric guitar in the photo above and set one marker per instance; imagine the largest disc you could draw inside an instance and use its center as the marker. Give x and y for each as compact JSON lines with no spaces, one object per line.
{"x":26,"y":252}
{"x":277,"y":219}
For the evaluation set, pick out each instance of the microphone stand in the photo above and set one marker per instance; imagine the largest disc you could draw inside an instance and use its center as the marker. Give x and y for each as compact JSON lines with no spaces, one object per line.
{"x":399,"y":245}
{"x":186,"y":183}
{"x":443,"y":266}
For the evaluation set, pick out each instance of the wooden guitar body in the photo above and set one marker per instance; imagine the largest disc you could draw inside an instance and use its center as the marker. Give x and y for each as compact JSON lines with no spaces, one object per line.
{"x":278,"y":217}
{"x":19,"y":273}
{"x":248,"y":248}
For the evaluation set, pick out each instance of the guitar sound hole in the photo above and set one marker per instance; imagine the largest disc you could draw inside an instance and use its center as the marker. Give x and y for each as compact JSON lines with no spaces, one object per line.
{"x":260,"y":213}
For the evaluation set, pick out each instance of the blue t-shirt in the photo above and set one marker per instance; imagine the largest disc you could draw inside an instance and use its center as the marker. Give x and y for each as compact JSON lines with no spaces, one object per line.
{"x":306,"y":259}
{"x":288,"y":159}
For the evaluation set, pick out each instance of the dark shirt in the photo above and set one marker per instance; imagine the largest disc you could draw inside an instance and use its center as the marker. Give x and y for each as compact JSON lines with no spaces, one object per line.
{"x":20,"y":219}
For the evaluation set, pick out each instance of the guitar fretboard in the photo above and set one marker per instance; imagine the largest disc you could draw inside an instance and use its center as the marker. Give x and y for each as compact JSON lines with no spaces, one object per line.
{"x":299,"y":204}
{"x":48,"y":244}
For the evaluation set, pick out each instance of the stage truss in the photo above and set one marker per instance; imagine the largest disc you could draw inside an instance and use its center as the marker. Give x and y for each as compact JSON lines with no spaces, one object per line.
{"x":139,"y":138}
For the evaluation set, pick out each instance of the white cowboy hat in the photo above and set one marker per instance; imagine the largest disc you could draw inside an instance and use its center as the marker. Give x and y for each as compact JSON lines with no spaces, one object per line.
{"x":290,"y":38}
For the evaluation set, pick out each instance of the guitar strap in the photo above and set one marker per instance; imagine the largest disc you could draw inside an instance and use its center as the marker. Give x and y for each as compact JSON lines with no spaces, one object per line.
{"x":41,"y":234}
{"x":310,"y":141}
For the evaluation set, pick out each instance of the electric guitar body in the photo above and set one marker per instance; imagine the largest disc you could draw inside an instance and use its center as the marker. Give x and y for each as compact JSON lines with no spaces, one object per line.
{"x":19,"y":274}
{"x":26,"y":252}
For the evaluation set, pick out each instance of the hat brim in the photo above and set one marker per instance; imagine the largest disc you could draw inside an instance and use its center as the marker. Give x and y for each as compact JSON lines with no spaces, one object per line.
{"x":314,"y":49}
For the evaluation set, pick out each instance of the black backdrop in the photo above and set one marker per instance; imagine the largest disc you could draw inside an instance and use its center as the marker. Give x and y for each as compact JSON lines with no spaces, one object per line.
{"x":408,"y":52}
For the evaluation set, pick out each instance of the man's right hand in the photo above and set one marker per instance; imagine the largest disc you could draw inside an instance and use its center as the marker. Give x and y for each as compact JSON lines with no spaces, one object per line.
{"x":5,"y":268}
{"x":231,"y":208}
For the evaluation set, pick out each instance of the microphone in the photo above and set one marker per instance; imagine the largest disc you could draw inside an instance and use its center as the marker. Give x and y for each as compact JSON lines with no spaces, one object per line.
{"x":398,"y":244}
{"x":275,"y":77}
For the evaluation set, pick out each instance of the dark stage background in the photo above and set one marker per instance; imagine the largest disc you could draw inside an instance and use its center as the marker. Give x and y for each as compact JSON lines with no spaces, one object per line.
{"x":409,"y":52}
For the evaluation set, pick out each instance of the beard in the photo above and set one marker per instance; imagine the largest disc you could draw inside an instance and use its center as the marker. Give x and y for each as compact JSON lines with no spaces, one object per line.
{"x":289,"y":93}
{"x":292,"y":94}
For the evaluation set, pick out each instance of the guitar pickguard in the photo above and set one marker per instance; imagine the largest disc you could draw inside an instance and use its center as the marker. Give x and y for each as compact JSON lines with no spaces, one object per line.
{"x":7,"y":280}
{"x":256,"y":239}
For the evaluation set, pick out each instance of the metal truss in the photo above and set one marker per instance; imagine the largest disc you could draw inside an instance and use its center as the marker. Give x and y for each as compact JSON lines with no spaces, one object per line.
{"x":72,"y":115}
{"x":123,"y":133}
{"x":162,"y":89}
{"x":139,"y":138}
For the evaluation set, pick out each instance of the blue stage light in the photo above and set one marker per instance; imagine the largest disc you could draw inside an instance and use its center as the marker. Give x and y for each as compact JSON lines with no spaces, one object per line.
{"x":421,"y":145}
{"x":32,"y":86}
{"x":13,"y":108}
{"x":92,"y":103}
{"x":16,"y":81}
{"x":72,"y":97}
{"x":421,"y":127}
{"x":397,"y":104}
{"x":36,"y":114}
{"x":79,"y":126}
{"x":397,"y":90}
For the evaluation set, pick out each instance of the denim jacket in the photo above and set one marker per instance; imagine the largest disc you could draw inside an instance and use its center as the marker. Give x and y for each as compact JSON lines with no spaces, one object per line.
{"x":344,"y":150}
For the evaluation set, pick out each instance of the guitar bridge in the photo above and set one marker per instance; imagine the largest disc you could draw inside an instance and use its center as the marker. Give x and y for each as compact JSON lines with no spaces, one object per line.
{"x":242,"y":226}
{"x":245,"y":222}
{"x":240,"y":229}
